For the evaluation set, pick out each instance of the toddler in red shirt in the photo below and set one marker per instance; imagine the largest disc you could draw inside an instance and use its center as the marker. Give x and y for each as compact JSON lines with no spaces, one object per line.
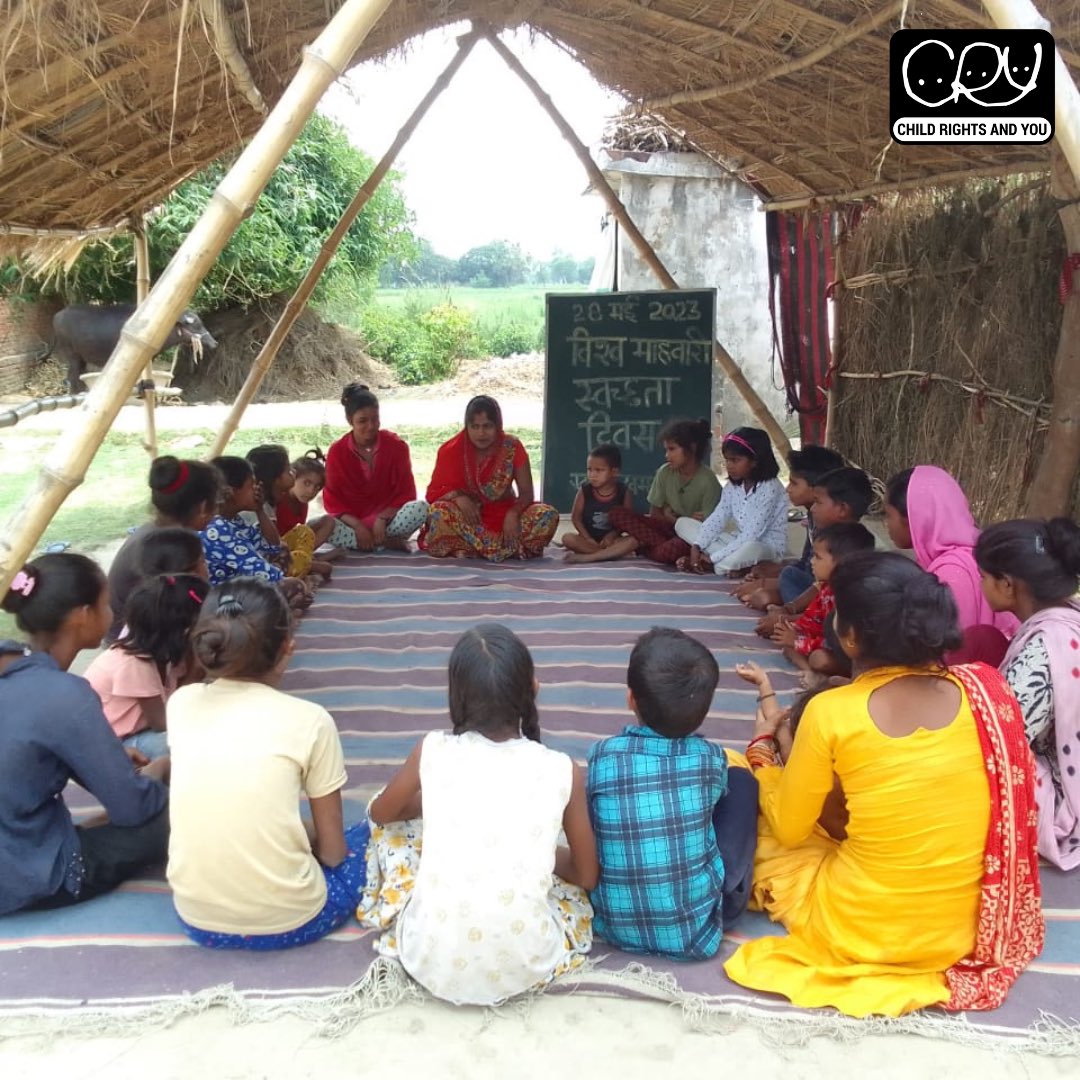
{"x":804,"y":638}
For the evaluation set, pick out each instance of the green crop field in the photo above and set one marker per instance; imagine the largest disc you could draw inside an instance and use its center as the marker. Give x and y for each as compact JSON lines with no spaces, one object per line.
{"x":517,"y":304}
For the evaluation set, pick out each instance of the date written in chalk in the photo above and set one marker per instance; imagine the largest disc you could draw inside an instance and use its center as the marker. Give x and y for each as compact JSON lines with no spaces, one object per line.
{"x":627,"y":310}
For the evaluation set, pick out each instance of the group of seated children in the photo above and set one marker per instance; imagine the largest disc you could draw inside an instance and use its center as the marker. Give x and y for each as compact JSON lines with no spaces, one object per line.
{"x":486,"y":917}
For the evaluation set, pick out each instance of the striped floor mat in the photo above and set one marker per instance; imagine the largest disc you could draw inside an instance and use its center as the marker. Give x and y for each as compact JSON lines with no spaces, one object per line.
{"x":373,"y":650}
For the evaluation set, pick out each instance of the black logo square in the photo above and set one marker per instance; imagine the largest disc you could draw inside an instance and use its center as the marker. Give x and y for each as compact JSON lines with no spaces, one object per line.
{"x":971,"y":86}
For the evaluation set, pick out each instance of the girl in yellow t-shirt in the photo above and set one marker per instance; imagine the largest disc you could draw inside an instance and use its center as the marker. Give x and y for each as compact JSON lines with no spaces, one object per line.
{"x":247,"y":872}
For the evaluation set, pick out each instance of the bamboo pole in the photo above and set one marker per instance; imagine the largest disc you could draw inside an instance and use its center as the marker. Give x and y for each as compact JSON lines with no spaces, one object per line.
{"x":722,"y":357}
{"x":859,"y":28}
{"x":1023,"y":15}
{"x":67,"y":234}
{"x":298,"y":300}
{"x":919,"y":183}
{"x":142,"y":289}
{"x":65,"y":466}
{"x":229,"y":52}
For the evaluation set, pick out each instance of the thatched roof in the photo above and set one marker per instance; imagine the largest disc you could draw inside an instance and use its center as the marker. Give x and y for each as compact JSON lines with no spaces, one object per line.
{"x":108,"y":104}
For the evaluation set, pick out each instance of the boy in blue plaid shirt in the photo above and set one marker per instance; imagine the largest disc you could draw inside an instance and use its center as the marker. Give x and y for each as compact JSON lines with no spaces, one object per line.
{"x":675,"y":828}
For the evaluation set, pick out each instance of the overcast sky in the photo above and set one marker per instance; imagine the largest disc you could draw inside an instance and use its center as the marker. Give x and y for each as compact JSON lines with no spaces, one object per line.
{"x":486,"y":163}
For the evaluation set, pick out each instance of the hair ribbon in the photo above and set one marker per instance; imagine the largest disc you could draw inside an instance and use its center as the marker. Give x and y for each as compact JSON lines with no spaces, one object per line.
{"x":23,"y":583}
{"x":741,"y":441}
{"x":195,"y":596}
{"x":179,"y":482}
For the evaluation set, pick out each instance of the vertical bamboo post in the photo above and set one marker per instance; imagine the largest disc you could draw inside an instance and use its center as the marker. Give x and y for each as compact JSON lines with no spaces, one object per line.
{"x":65,"y":466}
{"x":142,"y":289}
{"x":1023,"y":15}
{"x":295,"y":306}
{"x":1051,"y":490}
{"x":726,"y":361}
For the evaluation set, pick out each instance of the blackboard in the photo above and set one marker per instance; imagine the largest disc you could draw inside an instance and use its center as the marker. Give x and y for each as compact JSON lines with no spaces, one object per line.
{"x":619,"y":366}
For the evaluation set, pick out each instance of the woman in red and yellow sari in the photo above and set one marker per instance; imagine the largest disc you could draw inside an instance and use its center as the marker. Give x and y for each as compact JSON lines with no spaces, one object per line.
{"x":929,"y":895}
{"x":475,"y":510}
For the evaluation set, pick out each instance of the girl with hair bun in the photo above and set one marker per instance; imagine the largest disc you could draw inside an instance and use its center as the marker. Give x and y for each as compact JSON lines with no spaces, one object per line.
{"x":684,"y":487}
{"x":931,"y":895}
{"x":1032,"y":569}
{"x":370,"y":488}
{"x":494,"y":906}
{"x":54,"y":731}
{"x":244,"y":871}
{"x":185,"y":495}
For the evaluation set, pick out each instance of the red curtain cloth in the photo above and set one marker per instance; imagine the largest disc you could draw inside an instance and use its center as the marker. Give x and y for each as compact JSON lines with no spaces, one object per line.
{"x":801,"y":268}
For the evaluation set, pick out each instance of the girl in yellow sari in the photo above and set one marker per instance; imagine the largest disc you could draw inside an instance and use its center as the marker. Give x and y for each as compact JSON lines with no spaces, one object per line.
{"x":932,"y":897}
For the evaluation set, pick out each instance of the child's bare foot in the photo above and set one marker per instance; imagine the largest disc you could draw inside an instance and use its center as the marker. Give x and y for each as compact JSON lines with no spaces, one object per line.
{"x":331,"y":554}
{"x":397,"y":543}
{"x":575,"y":557}
{"x":322,"y":568}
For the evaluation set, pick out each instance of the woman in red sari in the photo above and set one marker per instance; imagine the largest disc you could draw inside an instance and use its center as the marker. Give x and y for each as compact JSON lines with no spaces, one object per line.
{"x":475,"y":510}
{"x":369,"y":481}
{"x":930,"y":893}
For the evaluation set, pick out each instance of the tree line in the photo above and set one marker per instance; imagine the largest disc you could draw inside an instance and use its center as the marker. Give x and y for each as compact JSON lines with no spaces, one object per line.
{"x":496,"y":265}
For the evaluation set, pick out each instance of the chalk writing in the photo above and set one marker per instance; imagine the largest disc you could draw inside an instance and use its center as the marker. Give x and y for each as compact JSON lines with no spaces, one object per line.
{"x":668,"y":352}
{"x":634,"y":391}
{"x":586,"y":350}
{"x":600,"y":428}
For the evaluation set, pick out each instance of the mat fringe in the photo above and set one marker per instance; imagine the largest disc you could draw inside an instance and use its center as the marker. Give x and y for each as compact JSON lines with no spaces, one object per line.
{"x":385,"y":985}
{"x":784,"y":1025}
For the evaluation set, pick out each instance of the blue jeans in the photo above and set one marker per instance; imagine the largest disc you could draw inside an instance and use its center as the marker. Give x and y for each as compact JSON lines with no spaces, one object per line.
{"x":794,"y":581}
{"x":344,"y":884}
{"x":735,"y":821}
{"x":153,"y":744}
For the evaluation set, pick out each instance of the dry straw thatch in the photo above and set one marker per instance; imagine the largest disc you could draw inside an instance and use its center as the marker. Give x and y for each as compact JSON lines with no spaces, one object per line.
{"x":949,"y":320}
{"x":106,"y":105}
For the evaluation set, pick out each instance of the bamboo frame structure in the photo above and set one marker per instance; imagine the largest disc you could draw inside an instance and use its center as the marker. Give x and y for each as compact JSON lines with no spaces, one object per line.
{"x":1023,"y":15}
{"x":226,"y":47}
{"x":722,"y":357}
{"x":65,"y":466}
{"x":859,"y":28}
{"x":142,"y":289}
{"x":261,"y":364}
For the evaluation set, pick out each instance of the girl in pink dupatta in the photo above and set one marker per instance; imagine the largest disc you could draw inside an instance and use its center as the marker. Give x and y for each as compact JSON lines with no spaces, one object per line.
{"x":926,"y":509}
{"x":1032,"y":568}
{"x":481,"y":494}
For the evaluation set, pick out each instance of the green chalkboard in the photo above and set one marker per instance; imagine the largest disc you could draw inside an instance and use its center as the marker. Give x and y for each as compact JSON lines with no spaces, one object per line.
{"x":619,"y":366}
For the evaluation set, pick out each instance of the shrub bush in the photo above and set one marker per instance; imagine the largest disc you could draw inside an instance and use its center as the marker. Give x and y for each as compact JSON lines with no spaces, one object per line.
{"x":508,"y":338}
{"x":421,"y":346}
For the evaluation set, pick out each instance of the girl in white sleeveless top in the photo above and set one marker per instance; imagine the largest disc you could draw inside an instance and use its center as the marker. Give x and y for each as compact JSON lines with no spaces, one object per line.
{"x":494,"y":906}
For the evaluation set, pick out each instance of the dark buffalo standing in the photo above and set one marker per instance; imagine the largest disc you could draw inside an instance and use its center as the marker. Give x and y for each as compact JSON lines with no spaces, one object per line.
{"x":86,"y":334}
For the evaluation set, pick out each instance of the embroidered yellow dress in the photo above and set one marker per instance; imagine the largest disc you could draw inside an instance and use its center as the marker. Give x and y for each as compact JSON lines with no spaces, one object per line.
{"x":875,"y":920}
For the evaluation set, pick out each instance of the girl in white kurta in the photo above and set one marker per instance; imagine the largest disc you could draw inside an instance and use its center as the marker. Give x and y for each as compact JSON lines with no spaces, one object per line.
{"x":494,"y":906}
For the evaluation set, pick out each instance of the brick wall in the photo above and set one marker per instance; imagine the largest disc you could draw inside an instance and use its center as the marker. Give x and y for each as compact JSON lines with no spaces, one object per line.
{"x":24,"y":329}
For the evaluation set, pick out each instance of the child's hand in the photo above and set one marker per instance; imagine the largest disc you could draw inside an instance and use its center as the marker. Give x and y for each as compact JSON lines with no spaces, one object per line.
{"x":784,"y":633}
{"x":767,"y":624}
{"x":260,"y":495}
{"x":753,"y":673}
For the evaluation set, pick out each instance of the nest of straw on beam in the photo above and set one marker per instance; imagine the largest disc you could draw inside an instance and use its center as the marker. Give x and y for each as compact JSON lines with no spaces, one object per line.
{"x":951,"y":330}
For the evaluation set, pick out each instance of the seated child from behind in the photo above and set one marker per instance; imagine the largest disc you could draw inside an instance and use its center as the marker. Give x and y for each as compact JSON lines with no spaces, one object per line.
{"x":601,"y":491}
{"x":804,"y":639}
{"x":768,"y":584}
{"x":675,"y":827}
{"x":842,"y":495}
{"x":135,"y":677}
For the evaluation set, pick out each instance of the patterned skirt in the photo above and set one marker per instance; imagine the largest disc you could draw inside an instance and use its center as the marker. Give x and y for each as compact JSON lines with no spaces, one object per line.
{"x":393,"y":860}
{"x":449,"y":533}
